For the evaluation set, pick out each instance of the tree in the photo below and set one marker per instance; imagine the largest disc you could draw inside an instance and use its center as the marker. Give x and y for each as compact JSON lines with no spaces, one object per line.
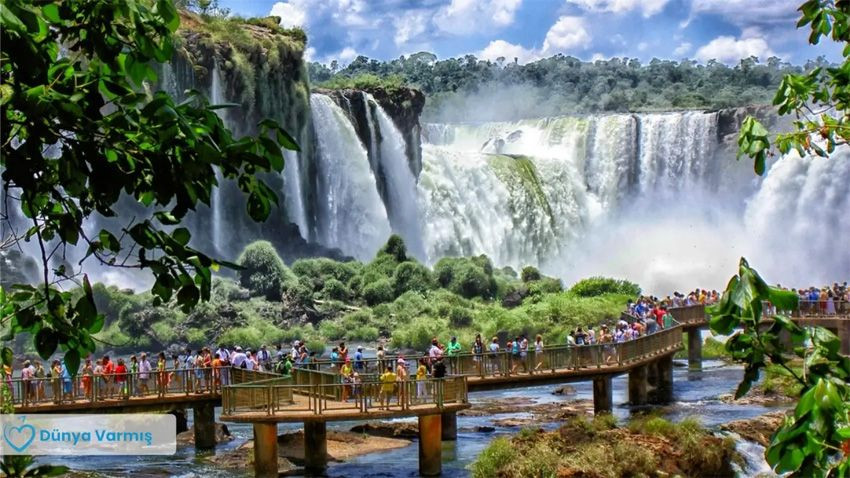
{"x":262,"y":270}
{"x":819,"y":99}
{"x":815,"y":440}
{"x":81,"y":130}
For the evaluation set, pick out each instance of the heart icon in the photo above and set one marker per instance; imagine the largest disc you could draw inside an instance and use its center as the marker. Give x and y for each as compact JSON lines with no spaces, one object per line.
{"x":19,"y":437}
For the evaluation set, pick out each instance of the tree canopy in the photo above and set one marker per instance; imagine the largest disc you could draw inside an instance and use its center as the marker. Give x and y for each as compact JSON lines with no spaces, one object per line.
{"x":81,"y":131}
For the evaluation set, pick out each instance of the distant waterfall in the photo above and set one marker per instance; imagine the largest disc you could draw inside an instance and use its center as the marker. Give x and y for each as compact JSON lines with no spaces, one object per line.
{"x":216,"y":203}
{"x":351,"y":215}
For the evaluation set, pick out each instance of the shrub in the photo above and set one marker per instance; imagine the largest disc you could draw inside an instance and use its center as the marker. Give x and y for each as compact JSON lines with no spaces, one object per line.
{"x":467,"y":277}
{"x":197,"y":337}
{"x":297,"y":293}
{"x":378,"y":292}
{"x":498,"y":455}
{"x":332,"y":330}
{"x":460,"y":316}
{"x":316,"y":345}
{"x":412,"y":276}
{"x":546,"y":285}
{"x":336,"y":290}
{"x":596,"y":286}
{"x":530,"y":273}
{"x":417,"y":333}
{"x":395,"y":248}
{"x":226,"y":290}
{"x":365,"y":333}
{"x":263,"y":271}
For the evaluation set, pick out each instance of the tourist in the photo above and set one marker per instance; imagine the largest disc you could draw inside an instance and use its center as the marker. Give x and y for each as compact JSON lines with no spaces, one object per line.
{"x":359,"y":363}
{"x":343,"y":352}
{"x":177,"y":375}
{"x":238,"y":358}
{"x":571,"y":338}
{"x":439,"y":369}
{"x":134,"y":375}
{"x":278,"y":355}
{"x":494,"y":356}
{"x":250,"y":362}
{"x":388,"y":384}
{"x":435,"y":351}
{"x":199,"y":369}
{"x":56,"y":381}
{"x":346,"y":373}
{"x":189,"y":364}
{"x":216,"y":366}
{"x":264,"y":358}
{"x":40,"y":375}
{"x":453,"y":351}
{"x":284,"y":367}
{"x":223,"y":354}
{"x":478,"y":353}
{"x":121,"y":379}
{"x":144,"y":374}
{"x":27,"y":376}
{"x":108,"y":376}
{"x":67,"y":384}
{"x":581,"y":337}
{"x":379,"y":357}
{"x":161,"y":375}
{"x":514,"y":347}
{"x":538,"y":351}
{"x":86,"y":379}
{"x":421,"y":376}
{"x":334,"y":358}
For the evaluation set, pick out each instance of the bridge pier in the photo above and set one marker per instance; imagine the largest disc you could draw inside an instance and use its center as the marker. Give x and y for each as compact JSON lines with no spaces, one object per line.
{"x":637,"y":385}
{"x":315,"y":447}
{"x":844,"y":336}
{"x":448,"y":426}
{"x":203,"y":415}
{"x":664,"y":380}
{"x":603,"y":400}
{"x":695,"y":349}
{"x":265,"y":450}
{"x":430,"y":445}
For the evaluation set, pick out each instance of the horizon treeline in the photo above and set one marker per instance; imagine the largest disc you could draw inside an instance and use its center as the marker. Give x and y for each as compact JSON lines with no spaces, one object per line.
{"x":469,"y":89}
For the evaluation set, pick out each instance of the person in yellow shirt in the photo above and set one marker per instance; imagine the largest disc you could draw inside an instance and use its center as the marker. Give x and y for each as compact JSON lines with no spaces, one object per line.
{"x":421,"y":375}
{"x":346,"y":373}
{"x":388,"y":382}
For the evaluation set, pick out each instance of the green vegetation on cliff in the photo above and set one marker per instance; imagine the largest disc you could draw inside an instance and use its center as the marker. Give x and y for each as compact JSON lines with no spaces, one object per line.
{"x":392,"y":296}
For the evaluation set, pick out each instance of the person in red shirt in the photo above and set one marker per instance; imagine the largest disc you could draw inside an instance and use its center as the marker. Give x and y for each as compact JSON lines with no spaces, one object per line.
{"x":108,"y":376}
{"x":660,"y":311}
{"x":121,"y":378}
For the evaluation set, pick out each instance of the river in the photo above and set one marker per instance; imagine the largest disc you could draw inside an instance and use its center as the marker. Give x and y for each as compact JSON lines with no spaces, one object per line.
{"x":695,"y":396}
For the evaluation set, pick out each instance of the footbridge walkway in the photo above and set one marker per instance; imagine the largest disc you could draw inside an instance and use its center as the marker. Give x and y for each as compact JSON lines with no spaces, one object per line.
{"x":316,"y":396}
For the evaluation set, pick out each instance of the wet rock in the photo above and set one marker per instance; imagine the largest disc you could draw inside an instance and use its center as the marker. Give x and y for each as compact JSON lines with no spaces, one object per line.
{"x":222,"y":435}
{"x":388,"y":429}
{"x":484,"y":429}
{"x":758,"y":429}
{"x":564,"y":390}
{"x":513,"y":422}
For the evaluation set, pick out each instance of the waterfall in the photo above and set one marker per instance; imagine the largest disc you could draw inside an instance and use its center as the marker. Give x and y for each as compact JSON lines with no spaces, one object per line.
{"x":400,"y":184}
{"x":350,"y":216}
{"x":217,"y":224}
{"x":374,"y":153}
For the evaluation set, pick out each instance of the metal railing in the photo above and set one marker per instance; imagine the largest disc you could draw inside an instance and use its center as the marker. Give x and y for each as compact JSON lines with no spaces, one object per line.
{"x":87,"y":388}
{"x":271,"y":397}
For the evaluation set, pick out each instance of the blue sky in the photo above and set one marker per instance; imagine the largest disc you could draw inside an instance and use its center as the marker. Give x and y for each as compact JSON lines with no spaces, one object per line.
{"x":725,"y":30}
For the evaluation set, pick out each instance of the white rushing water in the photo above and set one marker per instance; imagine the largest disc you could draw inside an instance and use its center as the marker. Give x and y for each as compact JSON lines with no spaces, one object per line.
{"x":351,"y":215}
{"x":401,"y":202}
{"x":216,"y":202}
{"x":654,"y":198}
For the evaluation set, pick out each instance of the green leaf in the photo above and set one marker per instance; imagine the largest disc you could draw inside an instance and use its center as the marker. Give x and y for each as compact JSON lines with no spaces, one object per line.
{"x":8,"y":356}
{"x":72,"y":361}
{"x":97,"y":325}
{"x":167,"y":218}
{"x":51,"y":13}
{"x":109,"y":241}
{"x":783,"y":299}
{"x":287,"y":141}
{"x":46,"y":341}
{"x":181,"y":235}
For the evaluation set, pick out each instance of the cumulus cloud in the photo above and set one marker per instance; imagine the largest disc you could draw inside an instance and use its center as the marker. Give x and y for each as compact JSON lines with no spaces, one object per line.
{"x":647,"y":7}
{"x":292,"y":14}
{"x":470,"y":16}
{"x":728,"y":49}
{"x":410,"y":25}
{"x":508,"y":51}
{"x":568,"y":33}
{"x":749,"y":12}
{"x":346,"y":55}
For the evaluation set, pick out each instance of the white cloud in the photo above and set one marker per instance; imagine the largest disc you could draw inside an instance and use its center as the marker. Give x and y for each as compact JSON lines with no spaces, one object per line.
{"x":597,"y":57}
{"x":346,"y":55}
{"x":647,"y":7}
{"x":566,"y":34}
{"x":292,"y":14}
{"x":682,"y":50}
{"x":409,"y":25}
{"x":470,"y":16}
{"x":749,"y":12}
{"x":310,"y":54}
{"x":728,"y":49}
{"x":501,"y":48}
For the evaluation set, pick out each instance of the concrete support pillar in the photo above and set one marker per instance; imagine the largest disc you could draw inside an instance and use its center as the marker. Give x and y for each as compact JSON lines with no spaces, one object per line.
{"x":448,"y":426}
{"x":652,"y":382}
{"x":603,"y":400}
{"x":265,"y":450}
{"x":204,"y":417}
{"x":430,"y":445}
{"x":637,"y":386}
{"x":664,"y":388}
{"x":180,"y":417}
{"x":315,"y":448}
{"x":695,"y":349}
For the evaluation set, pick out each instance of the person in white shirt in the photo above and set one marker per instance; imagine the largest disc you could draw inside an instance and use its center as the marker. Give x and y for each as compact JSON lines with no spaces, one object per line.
{"x":250,"y":362}
{"x":238,"y":358}
{"x":144,"y":374}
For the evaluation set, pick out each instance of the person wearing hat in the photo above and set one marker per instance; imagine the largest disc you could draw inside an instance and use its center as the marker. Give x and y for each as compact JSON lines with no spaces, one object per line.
{"x":238,"y":358}
{"x":401,"y":376}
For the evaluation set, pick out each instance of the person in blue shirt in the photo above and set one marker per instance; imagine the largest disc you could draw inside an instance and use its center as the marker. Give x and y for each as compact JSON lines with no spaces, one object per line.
{"x":334,"y":357}
{"x":358,"y":360}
